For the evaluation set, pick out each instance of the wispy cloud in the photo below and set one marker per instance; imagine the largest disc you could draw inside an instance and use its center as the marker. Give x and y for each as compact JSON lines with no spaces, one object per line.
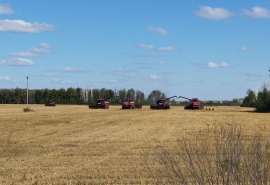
{"x":215,"y":65}
{"x":48,"y":75}
{"x":5,"y":9}
{"x":23,"y":54}
{"x":146,"y":47}
{"x":17,"y":62}
{"x":244,"y":48}
{"x":161,"y":62}
{"x":75,"y":70}
{"x":255,"y":75}
{"x":33,"y":52}
{"x":4,"y":78}
{"x":150,"y":55}
{"x":112,"y":81}
{"x":168,"y":48}
{"x":43,"y":48}
{"x":213,"y":13}
{"x":257,"y":12}
{"x":58,"y":81}
{"x":119,"y":69}
{"x":154,"y":77}
{"x":144,"y":65}
{"x":22,"y":26}
{"x":158,"y":30}
{"x":130,"y":75}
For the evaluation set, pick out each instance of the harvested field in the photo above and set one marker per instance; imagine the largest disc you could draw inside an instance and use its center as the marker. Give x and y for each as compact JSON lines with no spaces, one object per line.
{"x":70,"y":144}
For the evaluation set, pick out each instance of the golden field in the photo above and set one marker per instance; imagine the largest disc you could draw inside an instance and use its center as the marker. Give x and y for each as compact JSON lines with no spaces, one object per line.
{"x":70,"y":144}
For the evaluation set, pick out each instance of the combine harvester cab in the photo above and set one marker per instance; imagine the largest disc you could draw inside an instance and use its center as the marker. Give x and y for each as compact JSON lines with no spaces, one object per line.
{"x":100,"y":104}
{"x":50,"y":103}
{"x":194,"y":103}
{"x":162,"y":104}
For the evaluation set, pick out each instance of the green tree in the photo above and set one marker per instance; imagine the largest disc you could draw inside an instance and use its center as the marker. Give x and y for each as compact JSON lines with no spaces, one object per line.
{"x":62,"y":96}
{"x":250,"y":99}
{"x":122,"y":94}
{"x":140,"y":98}
{"x":263,"y":101}
{"x":38,"y":97}
{"x":46,"y":95}
{"x":131,"y":93}
{"x":71,"y":95}
{"x":155,"y":95}
{"x":6,"y":96}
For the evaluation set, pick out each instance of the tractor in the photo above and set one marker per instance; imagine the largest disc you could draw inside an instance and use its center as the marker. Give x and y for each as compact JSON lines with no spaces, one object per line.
{"x":50,"y":103}
{"x":101,"y":103}
{"x":162,"y":104}
{"x":194,"y":103}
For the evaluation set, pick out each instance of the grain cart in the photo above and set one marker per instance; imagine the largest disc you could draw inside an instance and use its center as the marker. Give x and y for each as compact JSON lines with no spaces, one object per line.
{"x":162,"y":104}
{"x":194,"y":103}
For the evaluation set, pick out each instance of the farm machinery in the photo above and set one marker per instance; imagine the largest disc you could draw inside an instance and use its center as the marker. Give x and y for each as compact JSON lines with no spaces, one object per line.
{"x":162,"y":104}
{"x":50,"y":103}
{"x":129,"y":103}
{"x":101,"y":103}
{"x":194,"y":103}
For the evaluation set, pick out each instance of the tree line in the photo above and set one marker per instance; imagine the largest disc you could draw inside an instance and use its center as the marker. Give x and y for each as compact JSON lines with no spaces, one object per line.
{"x":260,"y":100}
{"x":81,"y":96}
{"x":75,"y":96}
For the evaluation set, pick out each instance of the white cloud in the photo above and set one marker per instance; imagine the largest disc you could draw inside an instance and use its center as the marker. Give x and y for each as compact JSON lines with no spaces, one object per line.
{"x":154,"y":77}
{"x":33,"y":52}
{"x":168,"y":48}
{"x":5,"y":9}
{"x":68,"y":69}
{"x":244,"y":48}
{"x":131,"y":75}
{"x":161,"y":62}
{"x":62,"y":81}
{"x":4,"y":78}
{"x":48,"y":75}
{"x":255,"y":75}
{"x":158,"y":30}
{"x":213,"y":13}
{"x":121,"y":69}
{"x":23,"y":54}
{"x":112,"y":81}
{"x":215,"y":65}
{"x":147,"y":47}
{"x":17,"y":62}
{"x":43,"y":48}
{"x":22,"y":26}
{"x":257,"y":12}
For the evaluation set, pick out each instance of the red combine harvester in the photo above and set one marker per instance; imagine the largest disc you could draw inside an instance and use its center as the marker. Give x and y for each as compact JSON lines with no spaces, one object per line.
{"x":162,"y":104}
{"x":50,"y":103}
{"x":100,"y":104}
{"x":194,"y":103}
{"x":128,"y":103}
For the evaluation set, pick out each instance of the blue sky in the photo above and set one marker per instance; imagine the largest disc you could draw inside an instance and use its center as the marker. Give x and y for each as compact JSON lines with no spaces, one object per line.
{"x":212,"y":50}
